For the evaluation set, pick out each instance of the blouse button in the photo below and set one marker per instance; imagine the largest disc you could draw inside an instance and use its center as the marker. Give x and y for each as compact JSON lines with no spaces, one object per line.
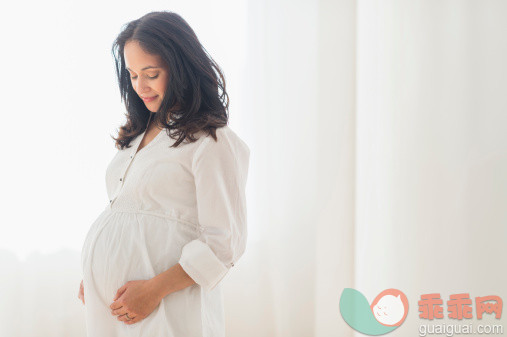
{"x":120,"y":179}
{"x":110,"y":201}
{"x":131,"y":156}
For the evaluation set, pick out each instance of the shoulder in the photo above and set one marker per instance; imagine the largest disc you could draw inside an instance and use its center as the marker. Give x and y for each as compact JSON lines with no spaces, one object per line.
{"x":227,"y":146}
{"x":227,"y":137}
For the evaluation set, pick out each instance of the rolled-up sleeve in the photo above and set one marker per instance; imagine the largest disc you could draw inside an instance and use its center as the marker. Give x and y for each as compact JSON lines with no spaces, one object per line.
{"x":220,"y":170}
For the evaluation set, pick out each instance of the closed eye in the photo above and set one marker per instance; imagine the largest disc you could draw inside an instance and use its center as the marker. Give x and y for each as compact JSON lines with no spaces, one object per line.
{"x":154,"y":77}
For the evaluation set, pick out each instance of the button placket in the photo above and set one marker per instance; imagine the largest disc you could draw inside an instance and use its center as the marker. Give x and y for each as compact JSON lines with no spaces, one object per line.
{"x":122,"y":177}
{"x":132,"y":155}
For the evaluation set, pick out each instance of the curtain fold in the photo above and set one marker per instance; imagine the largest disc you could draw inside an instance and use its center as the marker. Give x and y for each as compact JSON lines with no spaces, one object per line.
{"x":300,"y":103}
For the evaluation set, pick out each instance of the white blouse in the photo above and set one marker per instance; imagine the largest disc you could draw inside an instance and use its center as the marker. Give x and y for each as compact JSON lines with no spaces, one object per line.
{"x":168,"y":205}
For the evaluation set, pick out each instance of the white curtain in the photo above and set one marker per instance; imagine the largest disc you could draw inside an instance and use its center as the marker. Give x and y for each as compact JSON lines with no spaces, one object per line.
{"x":300,"y":86}
{"x":380,"y":159}
{"x":431,"y":150}
{"x":378,"y":144}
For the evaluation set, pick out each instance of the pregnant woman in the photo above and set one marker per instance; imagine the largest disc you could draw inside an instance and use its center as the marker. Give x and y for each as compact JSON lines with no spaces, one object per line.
{"x":175,"y":223}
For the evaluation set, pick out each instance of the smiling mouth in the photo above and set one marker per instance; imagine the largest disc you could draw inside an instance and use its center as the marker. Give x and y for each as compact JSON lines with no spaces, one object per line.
{"x":148,"y":99}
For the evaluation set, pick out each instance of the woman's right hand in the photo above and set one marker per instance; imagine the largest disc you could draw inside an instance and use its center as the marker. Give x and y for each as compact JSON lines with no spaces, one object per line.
{"x":81,"y":292}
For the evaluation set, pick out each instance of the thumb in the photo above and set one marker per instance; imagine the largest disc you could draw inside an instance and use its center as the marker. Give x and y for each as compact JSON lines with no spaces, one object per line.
{"x":120,"y":292}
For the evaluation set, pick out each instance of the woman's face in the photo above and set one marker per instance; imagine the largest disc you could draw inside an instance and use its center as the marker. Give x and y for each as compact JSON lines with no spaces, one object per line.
{"x":148,"y":74}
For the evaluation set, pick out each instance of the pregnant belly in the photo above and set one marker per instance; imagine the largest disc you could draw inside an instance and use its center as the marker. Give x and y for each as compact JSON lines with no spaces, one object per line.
{"x":123,"y":246}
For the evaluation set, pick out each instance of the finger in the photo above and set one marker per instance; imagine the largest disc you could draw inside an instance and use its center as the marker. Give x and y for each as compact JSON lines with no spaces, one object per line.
{"x":119,"y":292}
{"x":133,"y":320}
{"x":122,"y":318}
{"x":120,"y":311}
{"x":115,"y":306}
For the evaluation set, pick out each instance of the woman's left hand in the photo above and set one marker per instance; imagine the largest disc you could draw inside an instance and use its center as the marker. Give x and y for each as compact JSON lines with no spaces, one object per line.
{"x":136,"y":298}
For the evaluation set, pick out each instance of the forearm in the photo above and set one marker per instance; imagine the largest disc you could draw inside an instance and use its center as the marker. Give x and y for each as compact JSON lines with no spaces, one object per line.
{"x":171,"y":280}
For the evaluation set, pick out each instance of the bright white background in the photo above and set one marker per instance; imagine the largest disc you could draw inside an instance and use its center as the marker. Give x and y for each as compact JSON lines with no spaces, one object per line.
{"x":378,"y":141}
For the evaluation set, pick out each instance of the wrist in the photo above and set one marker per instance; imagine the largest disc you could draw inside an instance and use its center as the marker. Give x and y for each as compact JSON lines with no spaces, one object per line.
{"x":157,"y":287}
{"x":169,"y":281}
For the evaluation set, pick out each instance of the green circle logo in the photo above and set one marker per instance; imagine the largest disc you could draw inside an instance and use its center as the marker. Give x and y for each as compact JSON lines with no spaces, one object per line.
{"x":387,"y":311}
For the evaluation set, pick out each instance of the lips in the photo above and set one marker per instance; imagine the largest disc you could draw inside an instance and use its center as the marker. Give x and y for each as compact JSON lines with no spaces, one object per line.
{"x":148,"y":99}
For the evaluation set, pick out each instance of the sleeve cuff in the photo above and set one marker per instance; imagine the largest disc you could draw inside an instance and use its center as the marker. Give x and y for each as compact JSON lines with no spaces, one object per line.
{"x":202,"y":265}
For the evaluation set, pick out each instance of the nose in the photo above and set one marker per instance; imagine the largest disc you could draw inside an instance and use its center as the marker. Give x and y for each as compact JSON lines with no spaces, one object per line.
{"x":141,"y":86}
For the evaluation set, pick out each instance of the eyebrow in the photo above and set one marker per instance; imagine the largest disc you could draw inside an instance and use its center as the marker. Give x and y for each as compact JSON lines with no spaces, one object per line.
{"x":148,"y":67}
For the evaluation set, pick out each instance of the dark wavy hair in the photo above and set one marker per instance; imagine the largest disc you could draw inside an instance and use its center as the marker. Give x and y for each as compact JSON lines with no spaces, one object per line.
{"x":195,"y":98}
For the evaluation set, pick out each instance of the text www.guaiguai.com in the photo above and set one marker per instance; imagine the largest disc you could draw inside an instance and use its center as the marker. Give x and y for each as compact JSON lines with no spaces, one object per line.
{"x":459,"y":329}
